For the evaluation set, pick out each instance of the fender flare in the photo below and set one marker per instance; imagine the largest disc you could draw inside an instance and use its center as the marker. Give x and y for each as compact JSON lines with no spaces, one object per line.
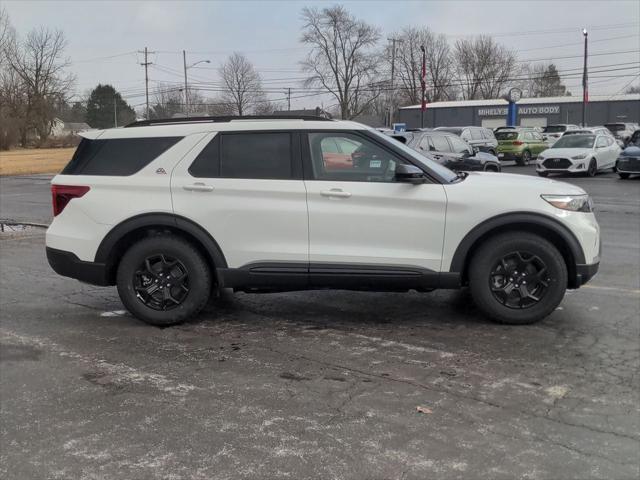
{"x":458,"y":263}
{"x":177,"y":222}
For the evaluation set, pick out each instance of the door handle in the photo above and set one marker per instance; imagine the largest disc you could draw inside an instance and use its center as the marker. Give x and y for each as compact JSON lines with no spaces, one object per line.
{"x":335,"y":192}
{"x":198,"y":187}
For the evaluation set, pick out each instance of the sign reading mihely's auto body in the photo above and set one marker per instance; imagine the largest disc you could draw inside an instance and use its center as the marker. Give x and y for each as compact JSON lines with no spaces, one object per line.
{"x":522,"y":110}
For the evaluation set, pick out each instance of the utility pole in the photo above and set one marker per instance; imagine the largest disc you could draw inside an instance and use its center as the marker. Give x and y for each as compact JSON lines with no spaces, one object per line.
{"x":146,"y":77}
{"x":393,"y":75}
{"x":115,"y":112}
{"x":289,"y":99}
{"x":585,"y":85}
{"x":423,"y":85}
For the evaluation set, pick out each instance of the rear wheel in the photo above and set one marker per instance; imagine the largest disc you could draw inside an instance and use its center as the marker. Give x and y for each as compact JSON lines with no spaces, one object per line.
{"x":593,"y":168}
{"x":623,"y":176}
{"x":525,"y":159}
{"x":517,"y":278}
{"x":491,"y":168}
{"x":163,"y":280}
{"x":543,"y":174}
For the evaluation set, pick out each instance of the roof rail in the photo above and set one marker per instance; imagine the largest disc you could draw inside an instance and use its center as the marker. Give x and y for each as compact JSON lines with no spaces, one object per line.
{"x":223,"y":119}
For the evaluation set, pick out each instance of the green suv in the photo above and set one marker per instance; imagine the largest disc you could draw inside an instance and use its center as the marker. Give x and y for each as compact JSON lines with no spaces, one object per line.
{"x":520,"y":145}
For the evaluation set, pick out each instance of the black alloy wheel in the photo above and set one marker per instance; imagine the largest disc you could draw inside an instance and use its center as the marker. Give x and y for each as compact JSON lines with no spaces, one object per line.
{"x":593,"y":168}
{"x":519,"y":280}
{"x":161,"y":282}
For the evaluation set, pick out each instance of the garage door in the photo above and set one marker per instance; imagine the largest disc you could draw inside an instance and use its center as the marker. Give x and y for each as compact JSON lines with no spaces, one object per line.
{"x":533,"y":122}
{"x":494,"y":122}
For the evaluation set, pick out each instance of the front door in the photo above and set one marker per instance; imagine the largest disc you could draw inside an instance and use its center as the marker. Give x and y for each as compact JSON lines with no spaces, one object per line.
{"x":362,"y":217}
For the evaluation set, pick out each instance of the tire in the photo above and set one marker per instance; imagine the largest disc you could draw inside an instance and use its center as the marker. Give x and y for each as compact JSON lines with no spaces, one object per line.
{"x":492,"y":152}
{"x":491,"y":168}
{"x":525,"y":159}
{"x":623,"y":176}
{"x":163,"y":259}
{"x":592,"y":170}
{"x":487,"y":286}
{"x":543,"y":174}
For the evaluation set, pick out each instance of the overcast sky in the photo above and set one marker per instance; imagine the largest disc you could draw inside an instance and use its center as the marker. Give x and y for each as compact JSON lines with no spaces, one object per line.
{"x":268,"y":33}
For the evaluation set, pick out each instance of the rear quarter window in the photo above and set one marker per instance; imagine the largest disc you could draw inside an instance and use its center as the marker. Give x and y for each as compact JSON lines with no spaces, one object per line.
{"x":118,"y":157}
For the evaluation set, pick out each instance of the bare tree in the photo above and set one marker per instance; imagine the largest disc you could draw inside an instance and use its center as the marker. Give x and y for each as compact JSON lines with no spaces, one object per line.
{"x":341,"y":60}
{"x":408,"y":67}
{"x":483,"y":67}
{"x":243,"y":85}
{"x":39,"y":63}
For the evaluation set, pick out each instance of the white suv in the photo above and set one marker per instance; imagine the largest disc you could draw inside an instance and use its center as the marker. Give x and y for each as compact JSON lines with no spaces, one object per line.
{"x":171,"y":210}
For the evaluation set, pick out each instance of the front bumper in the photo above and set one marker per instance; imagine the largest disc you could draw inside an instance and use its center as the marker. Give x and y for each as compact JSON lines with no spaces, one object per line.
{"x":628,"y":165}
{"x":68,"y":264}
{"x":584,"y":273}
{"x":568,"y":165}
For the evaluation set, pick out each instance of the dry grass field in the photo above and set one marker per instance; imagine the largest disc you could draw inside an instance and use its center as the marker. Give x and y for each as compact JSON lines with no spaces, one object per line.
{"x":34,"y":160}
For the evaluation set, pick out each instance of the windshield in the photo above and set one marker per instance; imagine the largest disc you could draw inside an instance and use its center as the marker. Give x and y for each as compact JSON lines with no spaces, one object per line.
{"x":575,"y":141}
{"x":506,"y":135}
{"x":614,"y":127}
{"x":457,"y":131}
{"x":554,"y":129}
{"x":444,"y":172}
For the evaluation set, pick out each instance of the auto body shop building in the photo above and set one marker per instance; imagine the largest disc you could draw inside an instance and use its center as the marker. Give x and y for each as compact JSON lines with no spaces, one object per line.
{"x":532,"y":112}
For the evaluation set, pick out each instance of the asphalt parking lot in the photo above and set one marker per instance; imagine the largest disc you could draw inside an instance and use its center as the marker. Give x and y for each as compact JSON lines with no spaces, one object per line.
{"x":319,"y":384}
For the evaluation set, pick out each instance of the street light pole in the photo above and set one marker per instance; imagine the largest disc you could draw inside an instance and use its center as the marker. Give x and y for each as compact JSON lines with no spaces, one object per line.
{"x":423,"y":85}
{"x":186,"y":84}
{"x":186,"y":88}
{"x":585,"y":86}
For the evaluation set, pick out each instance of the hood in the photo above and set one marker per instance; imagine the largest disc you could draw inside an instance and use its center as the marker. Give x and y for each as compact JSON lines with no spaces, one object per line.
{"x":485,"y":157}
{"x":565,"y":152}
{"x":511,"y":182}
{"x":632,"y":151}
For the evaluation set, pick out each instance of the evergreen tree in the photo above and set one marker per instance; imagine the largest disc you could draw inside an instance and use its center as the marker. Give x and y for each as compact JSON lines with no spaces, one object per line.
{"x":100,"y":108}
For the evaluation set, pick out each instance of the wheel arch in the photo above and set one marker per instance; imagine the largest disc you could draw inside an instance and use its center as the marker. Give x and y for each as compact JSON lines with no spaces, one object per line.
{"x":559,"y":235}
{"x":123,"y":235}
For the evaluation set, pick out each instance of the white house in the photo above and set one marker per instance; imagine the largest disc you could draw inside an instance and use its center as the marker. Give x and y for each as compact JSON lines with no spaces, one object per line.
{"x":62,"y":129}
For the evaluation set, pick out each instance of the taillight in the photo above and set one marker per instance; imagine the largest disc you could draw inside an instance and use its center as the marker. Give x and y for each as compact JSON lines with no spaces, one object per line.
{"x":518,"y":142}
{"x":63,"y":194}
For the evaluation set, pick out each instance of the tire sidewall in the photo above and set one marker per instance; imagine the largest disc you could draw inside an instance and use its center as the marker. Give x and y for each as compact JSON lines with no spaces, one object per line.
{"x":199,"y":279}
{"x":590,"y":172}
{"x":495,"y":248}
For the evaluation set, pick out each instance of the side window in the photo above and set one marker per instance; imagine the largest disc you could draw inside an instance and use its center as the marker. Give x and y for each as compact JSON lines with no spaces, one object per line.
{"x":440,"y":143}
{"x":476,"y":134}
{"x":329,"y":145}
{"x":117,"y":156}
{"x":207,"y":163}
{"x":367,"y":162}
{"x":528,"y":136}
{"x":601,"y":142}
{"x":255,"y":155}
{"x":466,"y":135}
{"x":488,"y":134}
{"x":458,"y":145}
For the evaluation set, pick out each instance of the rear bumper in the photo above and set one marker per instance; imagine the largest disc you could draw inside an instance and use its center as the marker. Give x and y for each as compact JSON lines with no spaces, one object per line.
{"x":584,"y":273}
{"x":509,"y":155}
{"x":68,"y":264}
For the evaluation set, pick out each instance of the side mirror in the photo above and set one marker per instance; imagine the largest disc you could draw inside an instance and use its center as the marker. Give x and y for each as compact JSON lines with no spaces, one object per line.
{"x":409,"y":174}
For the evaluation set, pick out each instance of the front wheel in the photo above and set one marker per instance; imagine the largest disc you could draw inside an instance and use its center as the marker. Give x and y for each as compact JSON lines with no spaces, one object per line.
{"x":163,"y":280}
{"x":517,"y":278}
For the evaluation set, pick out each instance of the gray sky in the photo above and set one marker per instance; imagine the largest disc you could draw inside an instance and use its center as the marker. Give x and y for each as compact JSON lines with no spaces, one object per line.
{"x":268,"y":33}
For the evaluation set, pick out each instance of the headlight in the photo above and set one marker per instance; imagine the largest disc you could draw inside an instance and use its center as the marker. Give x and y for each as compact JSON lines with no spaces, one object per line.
{"x":579,"y":157}
{"x":573,"y":203}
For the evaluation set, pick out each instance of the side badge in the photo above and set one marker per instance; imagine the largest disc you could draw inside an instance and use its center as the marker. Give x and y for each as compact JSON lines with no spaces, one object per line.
{"x":161,"y":171}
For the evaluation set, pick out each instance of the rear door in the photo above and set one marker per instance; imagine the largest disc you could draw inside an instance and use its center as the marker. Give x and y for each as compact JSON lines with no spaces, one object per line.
{"x":246,"y":189}
{"x":362,"y":217}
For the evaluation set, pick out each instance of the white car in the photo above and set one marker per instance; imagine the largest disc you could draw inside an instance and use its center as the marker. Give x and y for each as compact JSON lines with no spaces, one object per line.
{"x":579,"y":153}
{"x":551,"y":133}
{"x":172,"y":210}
